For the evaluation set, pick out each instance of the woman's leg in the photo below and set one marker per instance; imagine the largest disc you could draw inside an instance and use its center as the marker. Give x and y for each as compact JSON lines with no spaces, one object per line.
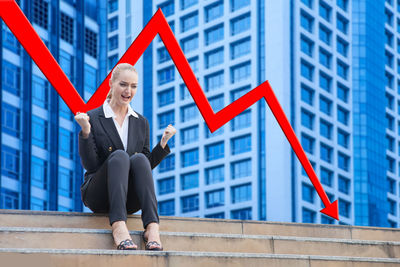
{"x":141,"y":195}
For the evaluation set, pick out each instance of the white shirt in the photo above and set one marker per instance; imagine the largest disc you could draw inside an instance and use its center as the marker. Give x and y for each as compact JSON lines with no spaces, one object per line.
{"x":122,"y":130}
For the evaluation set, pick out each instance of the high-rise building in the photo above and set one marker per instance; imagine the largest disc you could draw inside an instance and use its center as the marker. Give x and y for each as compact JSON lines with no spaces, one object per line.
{"x":40,"y":164}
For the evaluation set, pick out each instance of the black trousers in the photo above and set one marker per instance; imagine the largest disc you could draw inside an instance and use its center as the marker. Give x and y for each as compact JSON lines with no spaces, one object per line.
{"x":123,"y":185}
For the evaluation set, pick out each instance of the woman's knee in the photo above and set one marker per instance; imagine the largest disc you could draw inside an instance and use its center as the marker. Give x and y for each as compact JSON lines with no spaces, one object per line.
{"x":139,"y":160}
{"x":118,"y":156}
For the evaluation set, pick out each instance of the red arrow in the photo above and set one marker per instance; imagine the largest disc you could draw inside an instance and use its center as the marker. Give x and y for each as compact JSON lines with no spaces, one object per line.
{"x":24,"y":32}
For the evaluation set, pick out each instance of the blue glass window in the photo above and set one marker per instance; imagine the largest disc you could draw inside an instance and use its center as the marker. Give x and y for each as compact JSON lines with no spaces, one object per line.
{"x":307,"y":193}
{"x":342,"y":23}
{"x":189,"y":135}
{"x":307,"y":143}
{"x":66,"y":143}
{"x":219,"y":215}
{"x":190,"y":21}
{"x":208,"y":133}
{"x":308,"y":216}
{"x":113,"y":24}
{"x":342,"y":69}
{"x":189,"y":180}
{"x":327,"y":220}
{"x":166,"y":97}
{"x":307,"y":94}
{"x":342,"y":4}
{"x":10,"y":120}
{"x":189,"y":112}
{"x":214,"y":11}
{"x":390,"y":143}
{"x":241,"y":214}
{"x":389,"y":80}
{"x":325,"y":129}
{"x":215,"y":198}
{"x":306,"y":21}
{"x":342,"y":92}
{"x":166,"y":185}
{"x":190,"y":203}
{"x":90,"y":79}
{"x":307,"y":3}
{"x":215,"y":151}
{"x":185,"y":94}
{"x":166,"y":118}
{"x":214,"y":34}
{"x":65,"y":61}
{"x":326,"y":153}
{"x":306,"y":45}
{"x":389,"y":59}
{"x":11,"y":78}
{"x":240,"y":24}
{"x":307,"y":119}
{"x":9,"y":40}
{"x":344,"y":185}
{"x":325,"y":34}
{"x":325,"y":105}
{"x":188,"y":3}
{"x":241,"y":144}
{"x":10,"y":162}
{"x":194,"y":63}
{"x":307,"y":70}
{"x":343,"y":115}
{"x":241,"y":193}
{"x":168,"y":163}
{"x":238,"y":4}
{"x":326,"y":176}
{"x":214,"y":81}
{"x":166,"y":75}
{"x":190,"y":43}
{"x":343,"y":161}
{"x":168,"y":8}
{"x":241,"y":168}
{"x":38,"y":172}
{"x":166,"y":207}
{"x":163,"y":55}
{"x":38,"y":204}
{"x":389,"y":38}
{"x":40,"y":91}
{"x":214,"y":58}
{"x":112,"y":61}
{"x":344,"y":208}
{"x":217,"y":102}
{"x":240,"y":72}
{"x":325,"y":81}
{"x":112,"y":5}
{"x":343,"y":138}
{"x":389,"y":122}
{"x":325,"y":58}
{"x":113,"y":42}
{"x":238,"y":93}
{"x":241,"y":121}
{"x":9,"y":199}
{"x":240,"y":48}
{"x":390,"y":163}
{"x":39,"y":132}
{"x":190,"y":157}
{"x":66,"y":182}
{"x":325,"y":11}
{"x":215,"y":175}
{"x":342,"y":47}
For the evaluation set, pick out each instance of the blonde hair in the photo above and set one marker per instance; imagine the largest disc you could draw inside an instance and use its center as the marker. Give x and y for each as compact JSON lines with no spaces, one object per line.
{"x":117,"y":71}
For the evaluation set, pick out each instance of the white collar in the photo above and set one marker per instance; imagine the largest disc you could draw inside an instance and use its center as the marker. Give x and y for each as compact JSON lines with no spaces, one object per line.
{"x":109,"y":113}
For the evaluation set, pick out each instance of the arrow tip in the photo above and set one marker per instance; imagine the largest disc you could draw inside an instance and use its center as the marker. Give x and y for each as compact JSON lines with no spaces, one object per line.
{"x":332,"y":210}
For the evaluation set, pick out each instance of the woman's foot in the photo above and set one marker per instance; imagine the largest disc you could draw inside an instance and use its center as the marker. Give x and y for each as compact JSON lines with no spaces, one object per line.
{"x":152,"y":234}
{"x":120,"y":233}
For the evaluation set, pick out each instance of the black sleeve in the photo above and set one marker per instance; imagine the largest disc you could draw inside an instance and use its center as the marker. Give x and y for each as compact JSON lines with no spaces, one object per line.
{"x":88,"y":152}
{"x":158,"y":153}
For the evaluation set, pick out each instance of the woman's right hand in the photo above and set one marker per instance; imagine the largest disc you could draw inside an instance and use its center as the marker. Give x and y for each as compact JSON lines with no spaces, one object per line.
{"x":83,"y":120}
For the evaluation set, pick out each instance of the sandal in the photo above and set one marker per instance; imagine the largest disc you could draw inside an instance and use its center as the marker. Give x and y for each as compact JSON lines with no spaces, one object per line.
{"x":148,"y":244}
{"x":124,"y":245}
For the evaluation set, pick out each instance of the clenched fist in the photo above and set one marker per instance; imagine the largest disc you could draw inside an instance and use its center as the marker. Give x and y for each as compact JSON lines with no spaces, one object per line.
{"x":83,"y":120}
{"x":168,"y":133}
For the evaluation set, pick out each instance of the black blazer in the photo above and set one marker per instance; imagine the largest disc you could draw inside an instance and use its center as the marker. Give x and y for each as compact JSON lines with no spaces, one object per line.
{"x":104,"y":139}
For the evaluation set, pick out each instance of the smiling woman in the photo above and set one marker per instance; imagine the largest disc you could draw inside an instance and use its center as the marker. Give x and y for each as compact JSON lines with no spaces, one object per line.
{"x":114,"y":150}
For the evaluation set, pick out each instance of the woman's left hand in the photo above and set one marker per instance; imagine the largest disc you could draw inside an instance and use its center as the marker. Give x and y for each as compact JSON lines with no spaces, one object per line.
{"x":168,"y":133}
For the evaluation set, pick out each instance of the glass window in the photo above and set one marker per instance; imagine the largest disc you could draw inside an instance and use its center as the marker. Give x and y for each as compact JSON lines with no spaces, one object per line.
{"x":10,"y":120}
{"x":11,"y":78}
{"x":307,"y":119}
{"x":326,"y":153}
{"x":307,"y":143}
{"x":325,"y":129}
{"x":38,"y":204}
{"x":343,"y":161}
{"x":342,"y":4}
{"x":217,"y":102}
{"x":342,"y":92}
{"x":66,"y":142}
{"x":38,"y":172}
{"x":190,"y":203}
{"x":113,"y":42}
{"x":240,"y":72}
{"x":166,"y":185}
{"x":325,"y":34}
{"x":189,"y":112}
{"x":112,"y":5}
{"x":342,"y":47}
{"x":325,"y":105}
{"x":214,"y":81}
{"x":190,"y":157}
{"x":240,"y":24}
{"x":342,"y":69}
{"x":215,"y":198}
{"x":389,"y":122}
{"x":214,"y":34}
{"x":39,"y":132}
{"x":40,"y":91}
{"x":241,"y":121}
{"x":325,"y":11}
{"x":238,"y":93}
{"x":341,"y":23}
{"x":307,"y":193}
{"x":241,"y":214}
{"x":241,"y":144}
{"x":325,"y":58}
{"x":240,"y":48}
{"x":163,"y":55}
{"x":189,"y":22}
{"x":343,"y":138}
{"x":307,"y":94}
{"x":241,"y":193}
{"x":208,"y":133}
{"x":9,"y":199}
{"x":113,"y":24}
{"x":166,"y":207}
{"x":214,"y":11}
{"x":214,"y":58}
{"x":168,"y":163}
{"x":215,"y":175}
{"x":185,"y":94}
{"x":189,"y":135}
{"x":166,"y":97}
{"x":241,"y":168}
{"x":190,"y":43}
{"x":194,"y":63}
{"x":344,"y":208}
{"x":188,"y":3}
{"x":67,"y":28}
{"x":238,"y":4}
{"x":389,"y":38}
{"x":344,"y":185}
{"x":168,"y":8}
{"x":326,"y":176}
{"x":343,"y":115}
{"x":307,"y":3}
{"x":66,"y":182}
{"x":166,"y":75}
{"x":189,"y":180}
{"x":90,"y":79}
{"x":306,"y":45}
{"x":41,"y":13}
{"x":112,"y":61}
{"x":390,"y":143}
{"x":308,"y":216}
{"x":215,"y":151}
{"x":325,"y":81}
{"x":306,"y":21}
{"x":219,"y":215}
{"x":91,"y":43}
{"x":10,"y":165}
{"x":389,"y":59}
{"x":391,"y":185}
{"x":307,"y":70}
{"x":9,"y":40}
{"x":166,"y":118}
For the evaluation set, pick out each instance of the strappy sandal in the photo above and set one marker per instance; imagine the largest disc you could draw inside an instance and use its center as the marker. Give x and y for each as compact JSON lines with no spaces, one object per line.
{"x":124,"y":245}
{"x":148,"y":244}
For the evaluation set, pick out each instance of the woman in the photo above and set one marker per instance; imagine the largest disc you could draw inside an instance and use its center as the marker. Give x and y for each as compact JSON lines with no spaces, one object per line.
{"x":114,"y":150}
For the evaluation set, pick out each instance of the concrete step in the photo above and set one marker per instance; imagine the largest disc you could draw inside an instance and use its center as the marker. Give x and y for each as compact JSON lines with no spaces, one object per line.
{"x":46,"y":219}
{"x":70,"y":238}
{"x":106,"y":258}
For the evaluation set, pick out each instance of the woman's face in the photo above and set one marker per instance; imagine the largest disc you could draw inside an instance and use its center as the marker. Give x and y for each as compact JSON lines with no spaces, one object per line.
{"x":124,"y":87}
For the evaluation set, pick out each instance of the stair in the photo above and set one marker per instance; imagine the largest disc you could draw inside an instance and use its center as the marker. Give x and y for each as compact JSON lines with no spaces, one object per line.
{"x":39,"y":238}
